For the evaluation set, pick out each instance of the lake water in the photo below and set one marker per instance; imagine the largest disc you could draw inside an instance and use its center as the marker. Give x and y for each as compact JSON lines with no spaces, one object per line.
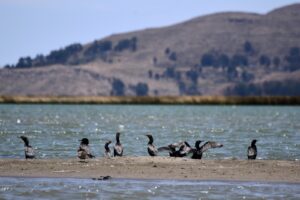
{"x":54,"y":130}
{"x":56,"y":188}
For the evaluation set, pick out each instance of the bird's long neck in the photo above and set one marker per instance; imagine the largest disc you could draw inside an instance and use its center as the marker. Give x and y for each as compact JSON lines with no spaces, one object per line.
{"x":26,"y":143}
{"x":118,"y":138}
{"x":106,"y":147}
{"x":150,"y":140}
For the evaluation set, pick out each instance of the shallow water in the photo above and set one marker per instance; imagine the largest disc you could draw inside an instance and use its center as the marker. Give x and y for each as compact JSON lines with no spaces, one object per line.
{"x":67,"y":188}
{"x":54,"y":130}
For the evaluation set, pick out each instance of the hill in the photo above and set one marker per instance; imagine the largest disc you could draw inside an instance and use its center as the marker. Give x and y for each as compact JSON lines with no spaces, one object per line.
{"x":221,"y":54}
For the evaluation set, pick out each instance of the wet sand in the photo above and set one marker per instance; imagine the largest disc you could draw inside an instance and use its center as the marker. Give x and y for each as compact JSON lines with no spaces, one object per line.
{"x":155,"y":168}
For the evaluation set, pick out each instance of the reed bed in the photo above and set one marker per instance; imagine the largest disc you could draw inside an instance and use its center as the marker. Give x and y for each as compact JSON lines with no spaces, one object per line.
{"x":193,"y":100}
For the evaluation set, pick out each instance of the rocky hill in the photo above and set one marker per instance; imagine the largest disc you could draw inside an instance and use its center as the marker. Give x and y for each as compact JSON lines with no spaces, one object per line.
{"x":221,"y":54}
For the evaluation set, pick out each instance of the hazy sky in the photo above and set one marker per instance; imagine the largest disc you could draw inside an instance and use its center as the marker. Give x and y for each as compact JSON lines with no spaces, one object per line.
{"x":30,"y":27}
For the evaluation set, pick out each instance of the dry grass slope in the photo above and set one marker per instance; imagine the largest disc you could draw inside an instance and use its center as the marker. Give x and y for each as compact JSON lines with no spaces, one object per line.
{"x":180,"y":48}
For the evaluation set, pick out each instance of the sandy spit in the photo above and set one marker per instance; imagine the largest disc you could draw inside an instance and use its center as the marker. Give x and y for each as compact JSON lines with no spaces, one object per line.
{"x":155,"y":168}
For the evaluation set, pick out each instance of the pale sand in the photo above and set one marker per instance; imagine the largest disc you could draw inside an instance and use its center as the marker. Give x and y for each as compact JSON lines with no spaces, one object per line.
{"x":155,"y":168}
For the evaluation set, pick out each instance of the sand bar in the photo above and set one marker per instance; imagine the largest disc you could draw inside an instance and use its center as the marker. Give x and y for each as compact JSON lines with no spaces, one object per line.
{"x":155,"y":168}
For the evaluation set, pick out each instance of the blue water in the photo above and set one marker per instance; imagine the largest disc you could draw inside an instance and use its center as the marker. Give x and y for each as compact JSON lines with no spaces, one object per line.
{"x":54,"y":130}
{"x":67,"y":188}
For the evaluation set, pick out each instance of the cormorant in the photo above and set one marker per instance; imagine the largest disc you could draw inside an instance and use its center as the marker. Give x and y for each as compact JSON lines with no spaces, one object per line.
{"x":29,"y":152}
{"x":172,"y":149}
{"x":252,"y":151}
{"x":84,"y":151}
{"x":197,"y":153}
{"x":151,"y":148}
{"x":118,"y":148}
{"x":184,"y":149}
{"x":107,"y":149}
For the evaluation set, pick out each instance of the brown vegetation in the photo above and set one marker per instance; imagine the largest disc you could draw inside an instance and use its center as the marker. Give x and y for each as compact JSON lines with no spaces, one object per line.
{"x":194,"y":100}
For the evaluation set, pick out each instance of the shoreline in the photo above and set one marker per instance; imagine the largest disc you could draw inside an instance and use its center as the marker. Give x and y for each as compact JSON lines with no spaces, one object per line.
{"x":154,"y":100}
{"x":164,"y":168}
{"x":154,"y":179}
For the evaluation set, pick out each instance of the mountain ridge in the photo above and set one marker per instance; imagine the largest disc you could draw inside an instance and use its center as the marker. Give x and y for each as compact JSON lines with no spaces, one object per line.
{"x":218,"y":54}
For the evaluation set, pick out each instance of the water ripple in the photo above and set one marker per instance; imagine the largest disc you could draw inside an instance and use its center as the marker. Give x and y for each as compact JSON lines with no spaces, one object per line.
{"x":54,"y":130}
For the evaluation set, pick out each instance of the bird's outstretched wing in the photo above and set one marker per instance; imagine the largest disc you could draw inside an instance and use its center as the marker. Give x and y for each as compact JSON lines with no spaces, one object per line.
{"x":170,"y":147}
{"x":185,"y":149}
{"x":167,"y":148}
{"x":210,"y":145}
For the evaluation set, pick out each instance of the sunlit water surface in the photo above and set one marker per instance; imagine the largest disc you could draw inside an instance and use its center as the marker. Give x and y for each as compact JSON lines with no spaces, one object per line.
{"x":54,"y":130}
{"x":56,"y":188}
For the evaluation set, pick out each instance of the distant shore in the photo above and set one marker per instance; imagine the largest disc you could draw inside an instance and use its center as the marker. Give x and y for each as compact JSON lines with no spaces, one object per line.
{"x":155,"y":168}
{"x":192,"y":100}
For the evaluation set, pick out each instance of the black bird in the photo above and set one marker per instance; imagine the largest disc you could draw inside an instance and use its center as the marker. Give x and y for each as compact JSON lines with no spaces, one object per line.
{"x":84,"y":151}
{"x":184,"y":149}
{"x":197,"y":153}
{"x":252,"y":150}
{"x":172,"y":149}
{"x":151,"y":148}
{"x":107,"y":149}
{"x":118,"y":148}
{"x":29,"y":152}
